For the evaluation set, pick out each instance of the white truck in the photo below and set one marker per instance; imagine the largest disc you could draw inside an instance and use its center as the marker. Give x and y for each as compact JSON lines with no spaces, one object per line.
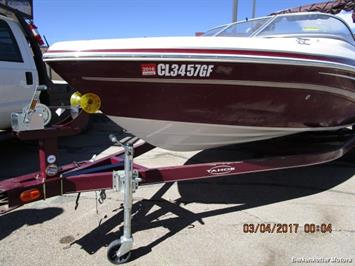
{"x":22,"y":70}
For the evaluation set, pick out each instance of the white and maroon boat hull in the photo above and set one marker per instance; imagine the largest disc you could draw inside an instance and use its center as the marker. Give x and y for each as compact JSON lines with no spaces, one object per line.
{"x":196,"y":94}
{"x":187,"y":136}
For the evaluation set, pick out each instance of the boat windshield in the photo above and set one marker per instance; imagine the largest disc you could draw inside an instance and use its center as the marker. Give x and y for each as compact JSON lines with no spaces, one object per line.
{"x":307,"y":24}
{"x":239,"y":29}
{"x":302,"y":24}
{"x":214,"y":31}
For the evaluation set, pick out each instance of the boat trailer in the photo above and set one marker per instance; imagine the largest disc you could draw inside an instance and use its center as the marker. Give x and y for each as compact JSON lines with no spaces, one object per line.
{"x":119,"y":172}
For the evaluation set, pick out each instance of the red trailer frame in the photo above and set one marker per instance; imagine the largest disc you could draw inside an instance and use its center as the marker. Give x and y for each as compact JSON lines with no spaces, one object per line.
{"x":97,"y":175}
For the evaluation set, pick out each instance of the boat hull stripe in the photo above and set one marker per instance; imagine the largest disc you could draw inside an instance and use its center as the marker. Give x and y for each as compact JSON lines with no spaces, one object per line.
{"x":209,"y":51}
{"x":286,"y":85}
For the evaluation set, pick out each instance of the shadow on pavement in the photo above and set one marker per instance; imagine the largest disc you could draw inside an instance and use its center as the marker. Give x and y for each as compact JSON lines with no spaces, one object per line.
{"x":240,"y":192}
{"x":14,"y":220}
{"x":243,"y":191}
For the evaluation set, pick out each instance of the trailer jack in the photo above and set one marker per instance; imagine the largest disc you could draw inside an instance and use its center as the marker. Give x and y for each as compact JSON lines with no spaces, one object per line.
{"x":126,"y":182}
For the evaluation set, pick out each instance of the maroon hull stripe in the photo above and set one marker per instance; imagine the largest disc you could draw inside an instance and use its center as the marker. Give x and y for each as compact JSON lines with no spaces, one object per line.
{"x":241,"y":105}
{"x":214,"y":51}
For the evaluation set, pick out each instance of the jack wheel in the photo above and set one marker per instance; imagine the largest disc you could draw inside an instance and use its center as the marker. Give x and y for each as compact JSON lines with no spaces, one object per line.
{"x":112,"y":253}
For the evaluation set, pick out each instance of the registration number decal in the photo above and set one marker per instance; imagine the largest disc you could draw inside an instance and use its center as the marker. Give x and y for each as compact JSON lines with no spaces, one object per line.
{"x":177,"y":70}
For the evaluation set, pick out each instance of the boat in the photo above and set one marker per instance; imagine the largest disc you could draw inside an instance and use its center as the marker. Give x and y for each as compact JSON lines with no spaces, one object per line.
{"x":252,"y":80}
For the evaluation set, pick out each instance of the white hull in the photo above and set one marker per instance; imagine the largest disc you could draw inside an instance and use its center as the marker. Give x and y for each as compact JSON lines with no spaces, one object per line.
{"x":185,"y":136}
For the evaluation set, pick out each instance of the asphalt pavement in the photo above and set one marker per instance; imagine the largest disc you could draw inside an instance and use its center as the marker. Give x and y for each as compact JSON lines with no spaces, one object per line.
{"x":202,"y":222}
